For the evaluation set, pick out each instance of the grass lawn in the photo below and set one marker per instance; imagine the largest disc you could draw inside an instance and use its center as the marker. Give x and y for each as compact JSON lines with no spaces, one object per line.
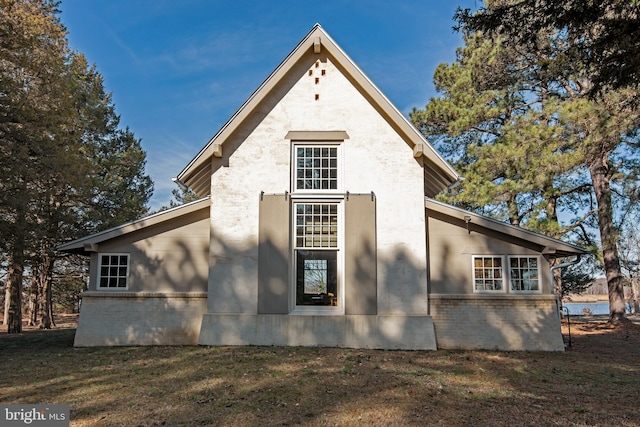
{"x":595,"y":382}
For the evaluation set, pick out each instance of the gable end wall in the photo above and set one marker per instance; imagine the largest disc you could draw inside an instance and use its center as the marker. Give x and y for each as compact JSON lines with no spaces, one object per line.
{"x":258,"y":158}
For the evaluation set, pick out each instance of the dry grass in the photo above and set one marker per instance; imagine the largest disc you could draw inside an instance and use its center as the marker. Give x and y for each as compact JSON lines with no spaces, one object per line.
{"x":596,"y":382}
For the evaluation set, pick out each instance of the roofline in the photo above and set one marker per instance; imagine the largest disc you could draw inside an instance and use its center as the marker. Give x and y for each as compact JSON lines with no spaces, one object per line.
{"x":207,"y":150}
{"x":316,"y":34}
{"x":505,"y":228}
{"x":77,"y":246}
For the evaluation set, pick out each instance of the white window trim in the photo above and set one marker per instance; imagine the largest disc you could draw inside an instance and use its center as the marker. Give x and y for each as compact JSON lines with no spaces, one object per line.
{"x":319,"y":310}
{"x":508,"y":265}
{"x":99,"y":275}
{"x":336,"y":196}
{"x":318,"y":192}
{"x":473,"y":275}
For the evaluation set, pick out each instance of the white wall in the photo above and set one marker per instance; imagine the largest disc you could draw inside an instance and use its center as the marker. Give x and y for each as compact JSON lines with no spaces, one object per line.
{"x":375,"y":159}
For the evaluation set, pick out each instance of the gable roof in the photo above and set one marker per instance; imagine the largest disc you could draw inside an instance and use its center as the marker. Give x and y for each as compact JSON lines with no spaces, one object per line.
{"x":85,"y":244}
{"x":549,"y":246}
{"x":439,"y":174}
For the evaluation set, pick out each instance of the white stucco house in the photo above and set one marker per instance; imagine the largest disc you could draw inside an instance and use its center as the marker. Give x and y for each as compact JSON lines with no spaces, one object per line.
{"x":318,"y":227}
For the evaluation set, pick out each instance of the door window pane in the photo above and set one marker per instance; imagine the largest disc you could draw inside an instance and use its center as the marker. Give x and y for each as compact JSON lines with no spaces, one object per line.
{"x":316,"y":278}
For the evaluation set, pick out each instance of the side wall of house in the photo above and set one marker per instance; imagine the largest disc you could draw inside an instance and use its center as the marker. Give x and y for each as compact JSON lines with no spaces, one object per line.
{"x":465,"y":318}
{"x":167,"y":287}
{"x":258,"y":159}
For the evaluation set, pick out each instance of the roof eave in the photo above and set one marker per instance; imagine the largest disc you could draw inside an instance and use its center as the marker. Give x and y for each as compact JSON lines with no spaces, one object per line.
{"x":552,"y":247}
{"x":79,"y":246}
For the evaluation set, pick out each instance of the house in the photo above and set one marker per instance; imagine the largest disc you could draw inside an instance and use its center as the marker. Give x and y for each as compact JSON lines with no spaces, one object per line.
{"x":318,"y":227}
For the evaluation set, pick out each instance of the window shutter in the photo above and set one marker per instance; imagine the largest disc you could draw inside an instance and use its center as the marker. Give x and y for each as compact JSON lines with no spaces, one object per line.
{"x":273,"y":255}
{"x":361,"y":290}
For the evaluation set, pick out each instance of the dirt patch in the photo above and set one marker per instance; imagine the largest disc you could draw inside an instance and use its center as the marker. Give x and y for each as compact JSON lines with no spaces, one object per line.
{"x":593,"y":334}
{"x":62,"y":321}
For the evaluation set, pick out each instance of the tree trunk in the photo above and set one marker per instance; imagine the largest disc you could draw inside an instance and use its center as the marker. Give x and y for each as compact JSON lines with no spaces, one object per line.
{"x":599,"y":176}
{"x":7,"y":302}
{"x":635,"y":286}
{"x":14,"y":293}
{"x":45,"y":279}
{"x":514,"y":211}
{"x":34,"y":298}
{"x":557,"y":279}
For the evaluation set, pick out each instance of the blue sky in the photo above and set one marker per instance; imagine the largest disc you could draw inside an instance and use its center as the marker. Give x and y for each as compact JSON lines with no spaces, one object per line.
{"x":179,"y":69}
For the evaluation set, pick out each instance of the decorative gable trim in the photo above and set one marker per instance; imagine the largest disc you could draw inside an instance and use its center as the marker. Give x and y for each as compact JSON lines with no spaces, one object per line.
{"x":196,"y":175}
{"x":317,"y":135}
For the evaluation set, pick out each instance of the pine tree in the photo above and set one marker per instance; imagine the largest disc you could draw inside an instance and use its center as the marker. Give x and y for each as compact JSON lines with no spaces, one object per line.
{"x":65,"y":166}
{"x":605,"y":33}
{"x":32,"y":52}
{"x":525,"y":131}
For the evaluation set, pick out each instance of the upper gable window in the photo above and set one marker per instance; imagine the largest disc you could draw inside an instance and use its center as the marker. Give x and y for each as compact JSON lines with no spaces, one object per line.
{"x":317,"y":167}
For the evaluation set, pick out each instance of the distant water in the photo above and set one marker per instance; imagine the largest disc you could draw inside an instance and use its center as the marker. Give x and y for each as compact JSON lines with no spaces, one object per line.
{"x":578,"y":308}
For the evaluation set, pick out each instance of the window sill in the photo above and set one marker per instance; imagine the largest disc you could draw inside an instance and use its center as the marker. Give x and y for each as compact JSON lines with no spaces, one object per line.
{"x":316,"y":311}
{"x":503,"y":296}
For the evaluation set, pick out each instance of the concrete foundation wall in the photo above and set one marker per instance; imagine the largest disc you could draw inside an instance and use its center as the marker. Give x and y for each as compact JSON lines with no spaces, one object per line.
{"x":112,"y":319}
{"x":358,"y":331}
{"x":496,"y":323}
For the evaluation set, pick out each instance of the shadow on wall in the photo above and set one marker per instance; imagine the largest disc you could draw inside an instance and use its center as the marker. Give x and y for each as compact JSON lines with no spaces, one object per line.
{"x":131,"y":320}
{"x":402,"y":287}
{"x":402,"y":283}
{"x":167,"y":293}
{"x":182,"y":269}
{"x":472,"y":321}
{"x":491,"y":321}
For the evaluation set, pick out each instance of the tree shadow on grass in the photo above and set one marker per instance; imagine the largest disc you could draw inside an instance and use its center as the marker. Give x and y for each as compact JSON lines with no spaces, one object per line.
{"x":256,"y":386}
{"x":35,"y":341}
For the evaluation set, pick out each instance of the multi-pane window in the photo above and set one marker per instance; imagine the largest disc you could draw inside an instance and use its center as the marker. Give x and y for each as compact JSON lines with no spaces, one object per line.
{"x":316,"y":225}
{"x":316,"y":253}
{"x":316,"y":211}
{"x":523,"y":274}
{"x":316,"y":168}
{"x":114,"y":271}
{"x":487,"y":273}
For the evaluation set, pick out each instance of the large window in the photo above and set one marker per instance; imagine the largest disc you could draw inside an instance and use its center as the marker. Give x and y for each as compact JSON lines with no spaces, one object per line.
{"x":316,"y":252}
{"x":317,"y":215}
{"x":113,"y":271}
{"x":488,"y":273}
{"x":524,"y":274}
